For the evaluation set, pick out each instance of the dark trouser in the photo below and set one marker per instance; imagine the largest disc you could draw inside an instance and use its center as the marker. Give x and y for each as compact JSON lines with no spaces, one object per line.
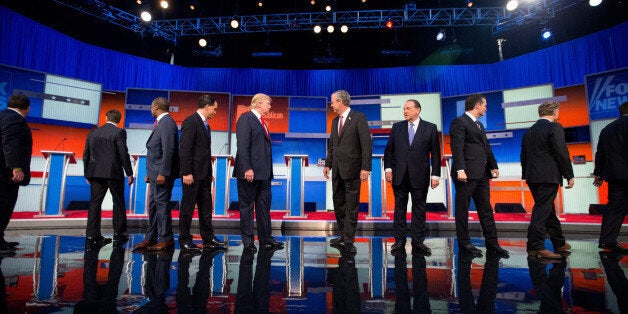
{"x":548,"y":286}
{"x":8,"y":198}
{"x":544,"y":218}
{"x":346,"y":288}
{"x":480,"y":191}
{"x":254,"y":195}
{"x":194,"y":301}
{"x":198,"y":193}
{"x":417,"y":226}
{"x":157,"y":280}
{"x":615,"y":212}
{"x":346,"y":197}
{"x":488,"y":289}
{"x":98,"y":188}
{"x":616,"y":278}
{"x":159,"y":215}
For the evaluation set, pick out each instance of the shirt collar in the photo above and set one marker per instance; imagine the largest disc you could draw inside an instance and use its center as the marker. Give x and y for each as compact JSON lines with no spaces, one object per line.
{"x":161,"y":116}
{"x":256,"y":113}
{"x":113,"y":123}
{"x":415,"y":122}
{"x":18,"y":112}
{"x":471,"y":116}
{"x":345,"y":114}
{"x":201,"y":115}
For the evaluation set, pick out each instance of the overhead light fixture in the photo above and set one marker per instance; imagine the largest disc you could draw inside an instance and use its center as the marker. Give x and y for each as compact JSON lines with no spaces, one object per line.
{"x":146,"y":17}
{"x":202,"y":42}
{"x":511,"y":5}
{"x":595,"y":3}
{"x":234,"y":23}
{"x":363,"y":1}
{"x":546,"y":34}
{"x":441,"y":35}
{"x":313,"y":2}
{"x":469,"y":3}
{"x":344,"y":28}
{"x":330,"y":29}
{"x":164,"y":4}
{"x":328,"y":8}
{"x":317,"y":29}
{"x":138,"y":1}
{"x":389,"y":24}
{"x":260,"y":3}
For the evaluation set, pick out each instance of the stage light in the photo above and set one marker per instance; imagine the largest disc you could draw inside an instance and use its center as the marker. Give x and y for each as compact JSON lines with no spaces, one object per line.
{"x":546,"y":33}
{"x":344,"y":28}
{"x":138,"y":1}
{"x":234,"y":23}
{"x":595,"y":3}
{"x":512,"y":4}
{"x":330,"y":29}
{"x":145,"y":15}
{"x":317,"y":29}
{"x":469,"y":3}
{"x":313,"y":2}
{"x":440,"y":36}
{"x":328,"y":8}
{"x":389,"y":24}
{"x":202,"y":42}
{"x":363,"y":1}
{"x":260,"y":3}
{"x":163,"y":4}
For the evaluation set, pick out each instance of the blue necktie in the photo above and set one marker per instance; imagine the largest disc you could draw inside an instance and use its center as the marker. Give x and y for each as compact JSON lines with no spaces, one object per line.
{"x":410,"y":133}
{"x":206,"y":126}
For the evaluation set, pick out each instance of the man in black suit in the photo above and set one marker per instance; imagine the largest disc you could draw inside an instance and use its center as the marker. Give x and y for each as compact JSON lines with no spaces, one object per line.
{"x":196,"y":175}
{"x":105,"y":160}
{"x":254,"y":171}
{"x":544,"y":162}
{"x":349,"y":151}
{"x":16,"y":144}
{"x":162,"y":168}
{"x":473,"y":166}
{"x":611,"y":164}
{"x":407,"y":167}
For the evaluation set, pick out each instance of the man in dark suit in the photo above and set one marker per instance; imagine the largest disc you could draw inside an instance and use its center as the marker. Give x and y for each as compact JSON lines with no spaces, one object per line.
{"x":349,"y":151}
{"x":16,"y":147}
{"x":105,"y":160}
{"x":254,"y":171}
{"x":611,"y":164}
{"x":544,"y":162}
{"x":407,"y":167}
{"x":196,"y":175}
{"x":162,"y":168}
{"x":473,"y":166}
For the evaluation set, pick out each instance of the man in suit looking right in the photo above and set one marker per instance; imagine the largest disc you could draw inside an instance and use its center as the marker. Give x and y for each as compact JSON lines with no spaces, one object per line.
{"x":544,"y":162}
{"x":611,"y":164}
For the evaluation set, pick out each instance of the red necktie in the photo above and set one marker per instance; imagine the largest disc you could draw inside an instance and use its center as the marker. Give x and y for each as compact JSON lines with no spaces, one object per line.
{"x":264,"y":126}
{"x":340,"y":126}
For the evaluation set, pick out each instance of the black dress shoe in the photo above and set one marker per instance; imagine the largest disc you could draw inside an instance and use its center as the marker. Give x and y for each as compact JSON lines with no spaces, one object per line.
{"x":350,"y":248}
{"x":120,"y":238}
{"x":189,"y":247}
{"x":498,"y":250}
{"x":98,"y":240}
{"x":250,"y":248}
{"x":613,"y":247}
{"x":9,"y":244}
{"x":470,"y":248}
{"x":398,"y":246}
{"x":272,"y":245}
{"x":214,"y":242}
{"x":420,"y":248}
{"x":6,"y":250}
{"x":337,"y":241}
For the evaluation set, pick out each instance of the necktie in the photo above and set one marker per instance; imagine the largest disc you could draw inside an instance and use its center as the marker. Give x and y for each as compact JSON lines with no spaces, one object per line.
{"x":340,"y":126}
{"x":411,"y":133}
{"x":206,"y":126}
{"x":264,"y":126}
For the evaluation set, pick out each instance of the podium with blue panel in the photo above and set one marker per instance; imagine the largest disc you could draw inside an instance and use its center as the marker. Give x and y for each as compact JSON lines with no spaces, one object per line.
{"x":377,"y":189}
{"x":138,"y":197}
{"x":222,"y":175}
{"x":295,"y":199}
{"x":53,"y":183}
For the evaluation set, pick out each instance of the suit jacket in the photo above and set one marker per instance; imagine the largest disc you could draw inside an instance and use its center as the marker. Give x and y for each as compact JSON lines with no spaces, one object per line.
{"x":470,"y":149}
{"x":254,"y":148}
{"x":195,"y":148}
{"x":351,"y":151}
{"x":16,"y":146}
{"x":400,"y":156}
{"x":611,"y":157}
{"x":544,"y":154}
{"x":162,"y":150}
{"x":106,"y":154}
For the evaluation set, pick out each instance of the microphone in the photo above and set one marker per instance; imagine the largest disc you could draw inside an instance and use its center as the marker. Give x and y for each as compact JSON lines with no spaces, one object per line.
{"x":62,"y":144}
{"x":223,"y":148}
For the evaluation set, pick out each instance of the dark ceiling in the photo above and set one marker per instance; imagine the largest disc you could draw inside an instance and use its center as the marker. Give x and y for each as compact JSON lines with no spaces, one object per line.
{"x":359,"y":48}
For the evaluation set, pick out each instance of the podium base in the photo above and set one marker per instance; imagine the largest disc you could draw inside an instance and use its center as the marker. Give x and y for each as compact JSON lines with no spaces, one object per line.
{"x":136,"y":216}
{"x":300,"y":217}
{"x":376,"y":218}
{"x":448,"y":217}
{"x":222,"y":216}
{"x":49,"y":216}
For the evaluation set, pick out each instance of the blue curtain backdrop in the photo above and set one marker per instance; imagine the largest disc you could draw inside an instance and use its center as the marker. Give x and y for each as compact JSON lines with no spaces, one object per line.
{"x":27,"y":44}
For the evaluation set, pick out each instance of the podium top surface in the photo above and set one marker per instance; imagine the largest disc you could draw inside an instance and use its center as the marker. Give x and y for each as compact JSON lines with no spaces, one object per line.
{"x":305,"y":158}
{"x":136,"y":156}
{"x":70,"y":155}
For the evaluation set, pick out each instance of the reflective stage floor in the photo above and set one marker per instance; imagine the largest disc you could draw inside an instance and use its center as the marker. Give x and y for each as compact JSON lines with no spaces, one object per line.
{"x":53,"y":273}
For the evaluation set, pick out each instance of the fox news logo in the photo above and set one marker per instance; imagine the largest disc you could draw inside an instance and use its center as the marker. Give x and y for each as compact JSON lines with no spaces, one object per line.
{"x":607,"y":94}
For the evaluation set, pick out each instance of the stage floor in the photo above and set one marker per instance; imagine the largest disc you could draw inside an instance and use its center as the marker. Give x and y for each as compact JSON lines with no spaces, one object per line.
{"x":52,"y":272}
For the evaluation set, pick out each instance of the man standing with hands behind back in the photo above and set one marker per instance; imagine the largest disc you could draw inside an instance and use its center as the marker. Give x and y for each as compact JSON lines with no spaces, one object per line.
{"x":105,"y":160}
{"x":162,"y":168}
{"x":474,"y":165}
{"x":197,"y":175}
{"x":407,"y":167}
{"x":349,"y":153}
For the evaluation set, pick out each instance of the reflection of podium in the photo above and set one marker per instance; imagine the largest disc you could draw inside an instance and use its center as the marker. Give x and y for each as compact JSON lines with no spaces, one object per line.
{"x":377,"y":188}
{"x":53,"y":183}
{"x":295,"y":205}
{"x":138,"y":197}
{"x":446,"y":161}
{"x":222,"y":163}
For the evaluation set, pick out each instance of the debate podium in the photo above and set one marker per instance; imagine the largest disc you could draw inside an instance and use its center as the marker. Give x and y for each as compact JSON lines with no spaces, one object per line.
{"x":53,"y":183}
{"x":222,"y":164}
{"x":295,"y":199}
{"x":377,"y":189}
{"x":138,"y":196}
{"x":446,"y":161}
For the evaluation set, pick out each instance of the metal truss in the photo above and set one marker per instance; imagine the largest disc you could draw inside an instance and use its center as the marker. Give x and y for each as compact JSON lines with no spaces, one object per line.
{"x":409,"y":17}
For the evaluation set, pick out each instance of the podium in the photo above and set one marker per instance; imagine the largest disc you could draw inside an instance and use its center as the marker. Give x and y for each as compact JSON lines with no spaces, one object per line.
{"x":53,"y":183}
{"x":446,"y":161}
{"x":377,"y":189}
{"x":138,"y":196}
{"x":295,"y":199}
{"x":222,"y":163}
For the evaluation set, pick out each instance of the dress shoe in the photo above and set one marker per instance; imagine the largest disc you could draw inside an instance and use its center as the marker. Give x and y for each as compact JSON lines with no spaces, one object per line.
{"x":189,"y":247}
{"x":97,"y":240}
{"x":613,"y":247}
{"x":498,"y":250}
{"x":120,"y":239}
{"x":250,"y":248}
{"x":143,"y":245}
{"x":350,"y":248}
{"x":337,"y":241}
{"x":564,"y":248}
{"x":421,"y":248}
{"x":544,"y":253}
{"x":9,"y":244}
{"x":161,"y":246}
{"x":399,"y":245}
{"x":214,"y":243}
{"x":6,"y":253}
{"x":471,"y":249}
{"x":271,"y":245}
{"x":6,"y":250}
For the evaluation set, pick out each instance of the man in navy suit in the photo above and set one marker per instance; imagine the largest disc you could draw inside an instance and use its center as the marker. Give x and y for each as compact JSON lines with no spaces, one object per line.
{"x":16,"y":147}
{"x":254,"y":171}
{"x":162,"y":168}
{"x":105,"y":160}
{"x":349,"y":151}
{"x":407,"y":167}
{"x":611,"y":164}
{"x":544,"y":163}
{"x":473,"y":166}
{"x":196,"y":175}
